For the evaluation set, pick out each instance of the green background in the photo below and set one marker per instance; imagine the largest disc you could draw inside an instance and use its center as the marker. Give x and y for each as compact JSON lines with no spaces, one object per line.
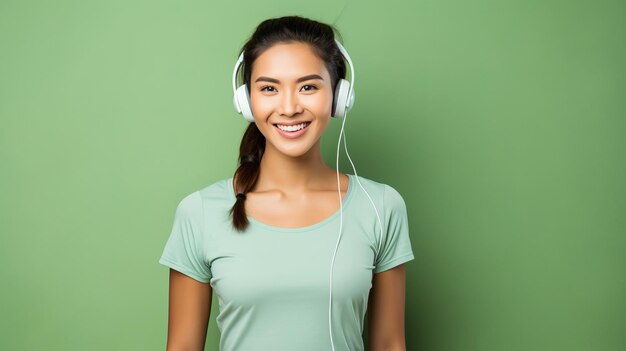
{"x":501,"y":123}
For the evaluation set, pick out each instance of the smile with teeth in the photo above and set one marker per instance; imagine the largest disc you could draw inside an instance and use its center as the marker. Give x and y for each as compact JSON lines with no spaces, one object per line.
{"x":293,"y":128}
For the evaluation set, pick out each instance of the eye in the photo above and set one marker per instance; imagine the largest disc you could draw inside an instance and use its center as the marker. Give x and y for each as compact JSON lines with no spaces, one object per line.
{"x":313,"y":87}
{"x":267,"y":87}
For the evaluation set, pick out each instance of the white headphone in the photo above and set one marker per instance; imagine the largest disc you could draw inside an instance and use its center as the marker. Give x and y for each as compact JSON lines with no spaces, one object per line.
{"x":342,"y":101}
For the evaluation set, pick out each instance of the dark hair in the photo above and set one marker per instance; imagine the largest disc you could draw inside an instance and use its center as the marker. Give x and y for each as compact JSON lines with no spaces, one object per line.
{"x":321,"y":38}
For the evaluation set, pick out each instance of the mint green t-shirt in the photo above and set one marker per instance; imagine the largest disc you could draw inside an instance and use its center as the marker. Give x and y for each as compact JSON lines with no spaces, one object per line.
{"x":272,"y":283}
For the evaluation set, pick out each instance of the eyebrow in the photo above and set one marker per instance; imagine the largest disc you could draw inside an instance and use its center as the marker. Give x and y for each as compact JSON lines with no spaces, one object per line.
{"x":301,"y":79}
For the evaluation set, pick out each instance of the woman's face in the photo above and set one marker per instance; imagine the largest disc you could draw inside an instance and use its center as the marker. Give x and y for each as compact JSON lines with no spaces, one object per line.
{"x":290,"y":85}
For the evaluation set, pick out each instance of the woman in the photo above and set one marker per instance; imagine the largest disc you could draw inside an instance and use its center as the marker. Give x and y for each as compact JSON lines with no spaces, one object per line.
{"x":266,"y":239}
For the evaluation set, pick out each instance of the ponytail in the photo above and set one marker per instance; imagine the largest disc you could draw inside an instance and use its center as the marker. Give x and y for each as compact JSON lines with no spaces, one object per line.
{"x":247,"y":173}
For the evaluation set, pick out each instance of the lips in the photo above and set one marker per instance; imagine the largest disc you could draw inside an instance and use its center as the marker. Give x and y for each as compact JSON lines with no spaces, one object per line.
{"x":292,"y":123}
{"x":292,"y":128}
{"x":292,"y":135}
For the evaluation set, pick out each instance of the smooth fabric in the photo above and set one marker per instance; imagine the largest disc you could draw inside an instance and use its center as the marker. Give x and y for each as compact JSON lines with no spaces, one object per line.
{"x":272,"y":283}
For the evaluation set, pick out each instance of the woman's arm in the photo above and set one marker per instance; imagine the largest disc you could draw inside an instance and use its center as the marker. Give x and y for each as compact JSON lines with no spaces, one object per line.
{"x":189,"y":311}
{"x":386,"y":310}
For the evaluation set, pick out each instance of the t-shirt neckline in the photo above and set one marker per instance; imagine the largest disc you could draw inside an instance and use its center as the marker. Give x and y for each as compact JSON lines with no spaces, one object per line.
{"x":317,"y":225}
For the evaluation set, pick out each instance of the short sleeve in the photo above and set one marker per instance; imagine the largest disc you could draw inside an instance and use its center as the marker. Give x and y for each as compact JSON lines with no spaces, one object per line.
{"x":396,"y":244}
{"x":184,"y":250}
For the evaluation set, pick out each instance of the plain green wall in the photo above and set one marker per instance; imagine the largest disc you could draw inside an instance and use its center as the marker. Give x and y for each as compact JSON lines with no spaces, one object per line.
{"x":501,"y":123}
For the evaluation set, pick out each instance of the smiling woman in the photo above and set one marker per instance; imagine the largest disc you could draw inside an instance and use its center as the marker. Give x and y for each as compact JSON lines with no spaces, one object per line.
{"x":300,"y":94}
{"x":263,"y":239}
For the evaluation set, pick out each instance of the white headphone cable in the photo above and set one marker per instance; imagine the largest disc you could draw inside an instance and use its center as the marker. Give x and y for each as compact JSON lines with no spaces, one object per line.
{"x":341,"y":133}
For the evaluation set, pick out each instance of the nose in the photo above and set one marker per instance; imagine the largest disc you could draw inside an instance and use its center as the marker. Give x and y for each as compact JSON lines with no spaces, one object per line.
{"x":289,"y":104}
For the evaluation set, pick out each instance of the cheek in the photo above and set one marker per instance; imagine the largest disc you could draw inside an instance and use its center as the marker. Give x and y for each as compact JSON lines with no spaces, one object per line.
{"x":319,"y":104}
{"x":261,"y":105}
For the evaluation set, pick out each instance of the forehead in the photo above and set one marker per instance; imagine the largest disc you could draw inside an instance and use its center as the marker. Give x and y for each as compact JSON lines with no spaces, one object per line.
{"x":287,"y":62}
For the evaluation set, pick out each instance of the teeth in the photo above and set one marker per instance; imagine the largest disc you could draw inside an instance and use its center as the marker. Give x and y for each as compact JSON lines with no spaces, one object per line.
{"x":292,"y":128}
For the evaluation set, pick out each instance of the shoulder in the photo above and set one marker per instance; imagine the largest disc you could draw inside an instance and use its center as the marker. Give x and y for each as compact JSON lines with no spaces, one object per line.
{"x":381,"y":192}
{"x":393,"y":199}
{"x":373,"y":187}
{"x":217,"y":192}
{"x":386,"y":197}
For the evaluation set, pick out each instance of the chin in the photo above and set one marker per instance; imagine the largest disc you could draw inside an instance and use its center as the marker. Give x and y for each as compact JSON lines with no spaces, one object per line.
{"x":295,"y":151}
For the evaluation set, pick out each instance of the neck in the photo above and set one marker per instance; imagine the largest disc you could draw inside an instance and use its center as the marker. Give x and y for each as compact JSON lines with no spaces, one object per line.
{"x":293,"y":174}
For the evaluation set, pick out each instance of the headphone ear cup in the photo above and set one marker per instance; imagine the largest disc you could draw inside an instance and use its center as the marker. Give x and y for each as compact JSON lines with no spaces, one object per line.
{"x":236,"y":103}
{"x":341,"y":101}
{"x":241,"y":101}
{"x":350,"y":101}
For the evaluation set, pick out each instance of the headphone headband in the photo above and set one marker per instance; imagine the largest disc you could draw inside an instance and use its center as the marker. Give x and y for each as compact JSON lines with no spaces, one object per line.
{"x":347,"y":57}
